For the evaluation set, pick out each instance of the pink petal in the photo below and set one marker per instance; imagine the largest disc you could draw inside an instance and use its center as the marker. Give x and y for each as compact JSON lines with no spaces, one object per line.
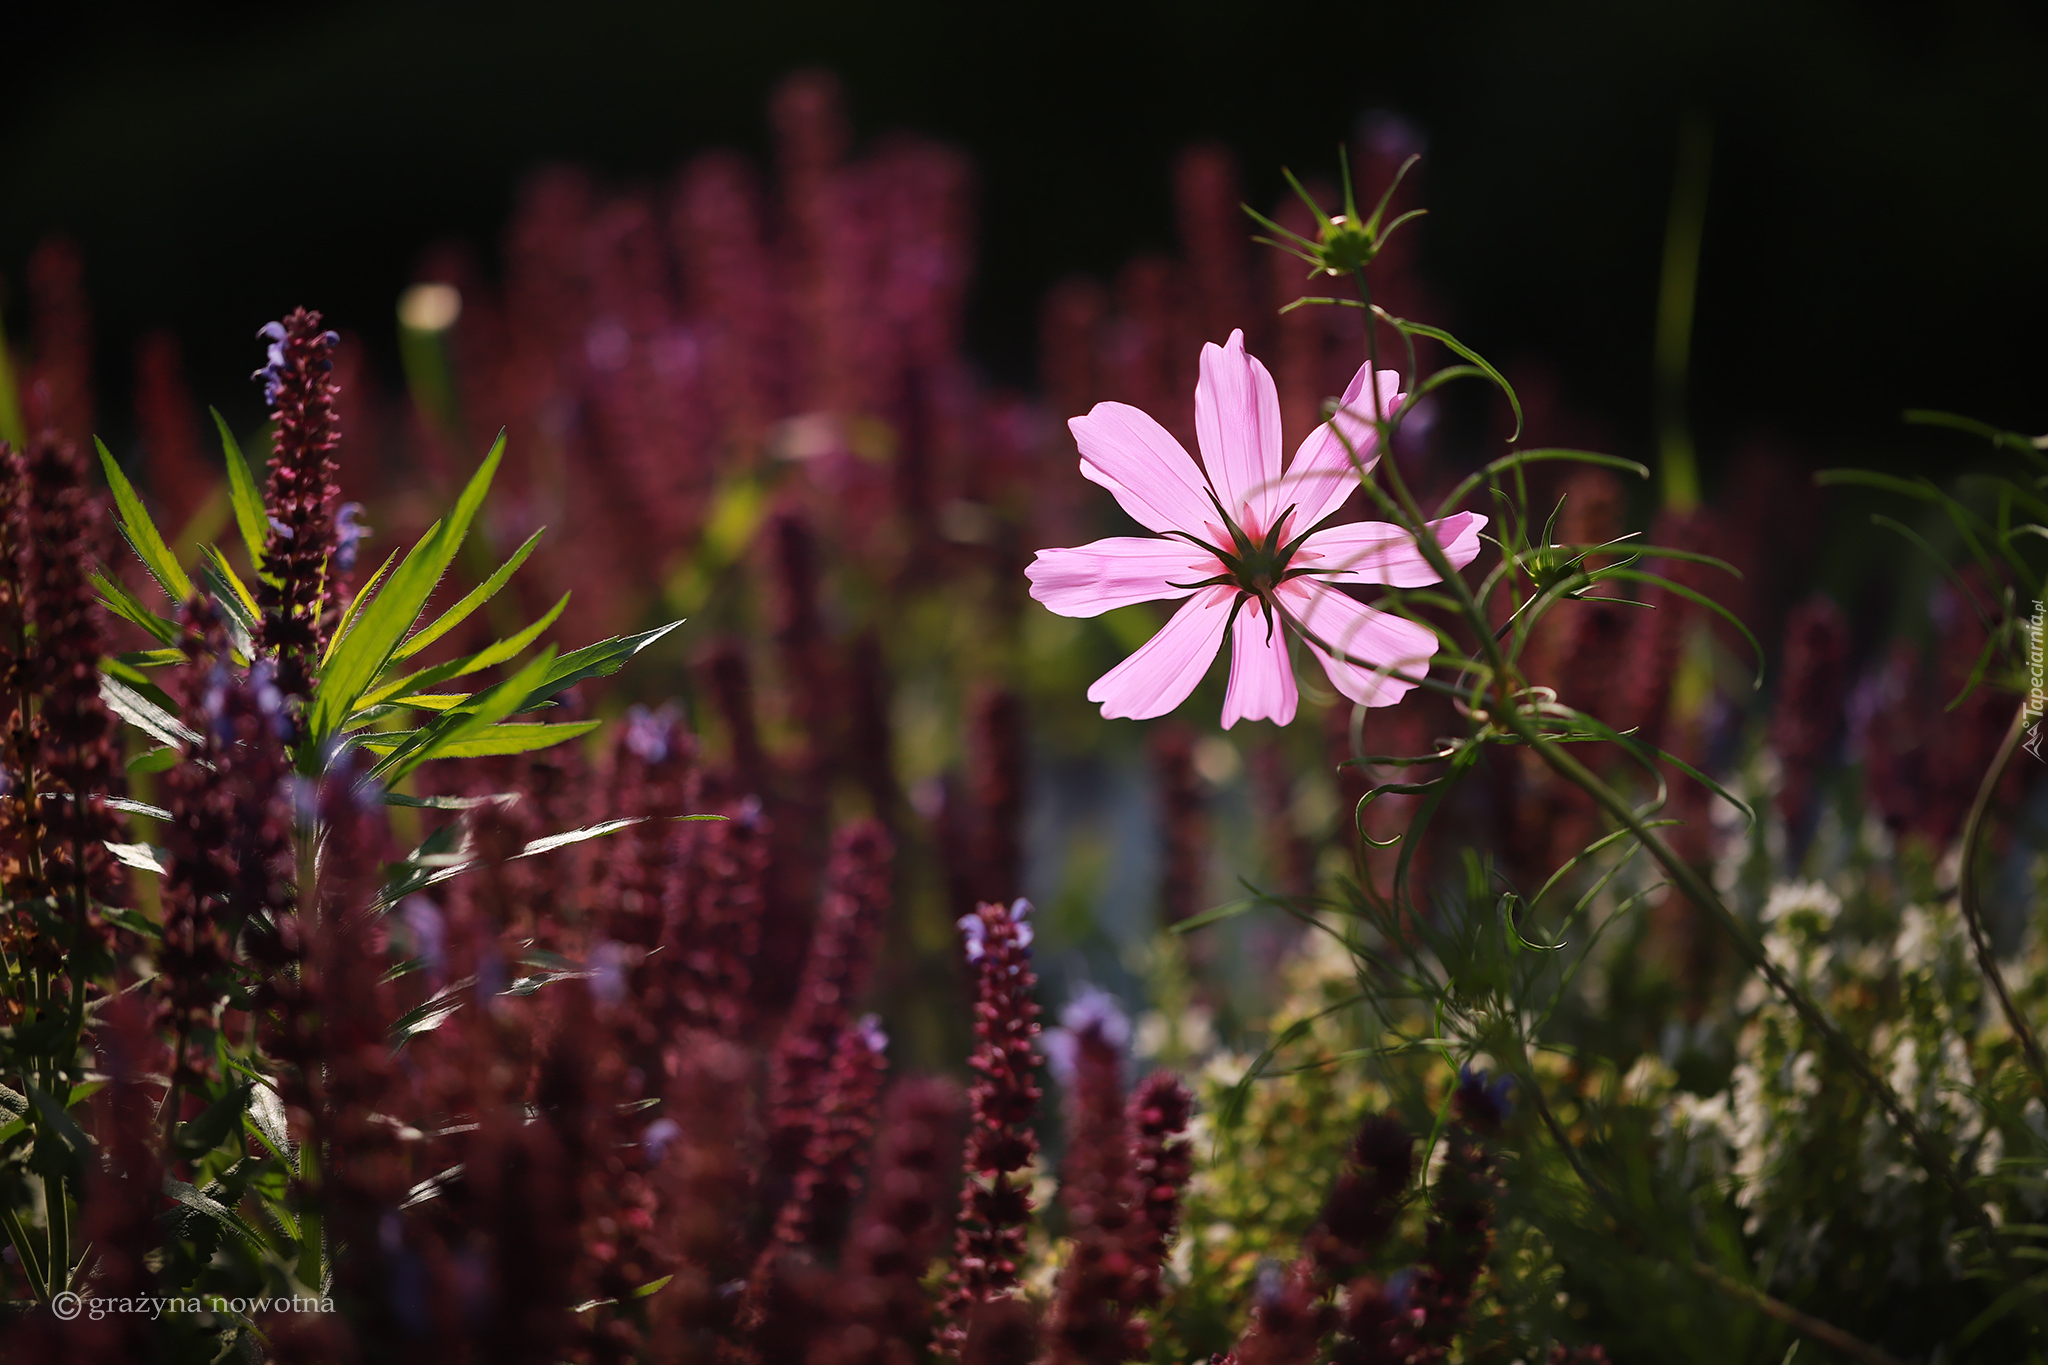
{"x":1350,"y":638}
{"x":1237,"y":425}
{"x":1139,"y":461}
{"x":1380,"y":552}
{"x":1261,"y":676}
{"x":1091,"y":579}
{"x":1322,"y":474}
{"x":1166,"y":667}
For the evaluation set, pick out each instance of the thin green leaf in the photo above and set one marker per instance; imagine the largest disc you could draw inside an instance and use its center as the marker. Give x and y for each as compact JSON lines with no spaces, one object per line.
{"x":488,"y":657}
{"x":128,"y":805}
{"x":155,"y":761}
{"x":250,"y":518}
{"x":238,"y":611}
{"x":141,"y":532}
{"x":136,"y":679}
{"x":392,"y":798}
{"x":1438,"y":334}
{"x":355,"y":606}
{"x":132,"y":922}
{"x":600,"y":660}
{"x":57,"y":1121}
{"x":144,"y":714}
{"x":1215,"y":915}
{"x":128,"y":607}
{"x":151,"y":658}
{"x":367,"y":650}
{"x":2011,"y":440}
{"x":1698,"y":599}
{"x":146,"y":857}
{"x":502,"y":740}
{"x":462,"y":610}
{"x":196,"y":1137}
{"x":472,"y":715}
{"x":1523,"y":457}
{"x":220,"y":1213}
{"x":232,"y":581}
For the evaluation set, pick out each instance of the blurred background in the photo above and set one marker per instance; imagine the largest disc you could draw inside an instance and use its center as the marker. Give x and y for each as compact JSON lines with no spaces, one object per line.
{"x":1872,"y":236}
{"x":785,"y":305}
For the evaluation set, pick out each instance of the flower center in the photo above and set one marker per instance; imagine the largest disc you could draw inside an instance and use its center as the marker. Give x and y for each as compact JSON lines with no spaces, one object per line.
{"x":1253,"y":566}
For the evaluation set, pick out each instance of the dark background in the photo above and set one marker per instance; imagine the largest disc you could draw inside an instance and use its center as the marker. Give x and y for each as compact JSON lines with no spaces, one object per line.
{"x":1874,"y":237}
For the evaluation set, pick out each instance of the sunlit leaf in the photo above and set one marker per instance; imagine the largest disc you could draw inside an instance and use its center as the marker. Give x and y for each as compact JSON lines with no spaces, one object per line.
{"x":141,"y":532}
{"x":383,"y":626}
{"x":250,"y":518}
{"x":462,"y":610}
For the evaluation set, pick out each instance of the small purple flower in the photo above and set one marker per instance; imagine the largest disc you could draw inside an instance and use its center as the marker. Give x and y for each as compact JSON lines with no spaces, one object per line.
{"x":428,"y":932}
{"x":272,"y":372}
{"x":608,"y":964}
{"x":869,"y":1029}
{"x":656,"y":1139}
{"x":1092,"y":1011}
{"x":650,"y":735}
{"x":349,"y":532}
{"x":1483,"y":1102}
{"x":975,"y":930}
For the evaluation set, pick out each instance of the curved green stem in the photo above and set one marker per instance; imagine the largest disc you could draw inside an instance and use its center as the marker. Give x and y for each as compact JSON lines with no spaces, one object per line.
{"x":1815,"y":1329}
{"x":1973,"y":915}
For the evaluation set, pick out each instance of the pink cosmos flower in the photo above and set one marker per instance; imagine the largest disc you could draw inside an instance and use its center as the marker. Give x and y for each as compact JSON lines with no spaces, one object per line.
{"x":1239,"y":543}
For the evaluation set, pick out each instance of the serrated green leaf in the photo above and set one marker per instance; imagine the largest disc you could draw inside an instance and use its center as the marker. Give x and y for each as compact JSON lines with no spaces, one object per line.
{"x":141,"y":532}
{"x":367,"y":650}
{"x":266,"y":1114}
{"x":488,"y":657}
{"x":131,"y":806}
{"x":462,"y":610}
{"x":155,"y":761}
{"x":420,"y":876}
{"x":146,"y":857}
{"x":471,"y":715}
{"x":131,"y":921}
{"x":139,"y":681}
{"x":250,"y":518}
{"x":144,"y":714}
{"x":600,"y":660}
{"x":548,"y":843}
{"x":200,"y":1203}
{"x":57,"y":1121}
{"x":238,"y":611}
{"x":198,"y":1136}
{"x":152,"y":658}
{"x":500,"y":741}
{"x":392,"y":798}
{"x":356,"y":604}
{"x":432,"y":701}
{"x":126,"y":605}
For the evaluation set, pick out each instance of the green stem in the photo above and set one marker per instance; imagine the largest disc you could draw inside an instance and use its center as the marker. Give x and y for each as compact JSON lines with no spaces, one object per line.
{"x":1973,"y":915}
{"x":1930,"y":1151}
{"x":31,"y":1256}
{"x":1813,"y":1328}
{"x":58,"y":1272}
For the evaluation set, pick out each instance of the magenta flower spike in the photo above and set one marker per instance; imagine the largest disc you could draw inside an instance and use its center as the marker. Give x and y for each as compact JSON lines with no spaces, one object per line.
{"x":1237,"y":539}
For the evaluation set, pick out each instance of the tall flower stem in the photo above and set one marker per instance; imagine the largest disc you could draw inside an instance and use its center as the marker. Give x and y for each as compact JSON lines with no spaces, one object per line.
{"x":1510,"y":714}
{"x":1967,"y":892}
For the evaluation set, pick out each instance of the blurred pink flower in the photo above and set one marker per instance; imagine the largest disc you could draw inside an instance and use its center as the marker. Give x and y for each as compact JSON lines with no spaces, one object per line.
{"x":1232,"y":543}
